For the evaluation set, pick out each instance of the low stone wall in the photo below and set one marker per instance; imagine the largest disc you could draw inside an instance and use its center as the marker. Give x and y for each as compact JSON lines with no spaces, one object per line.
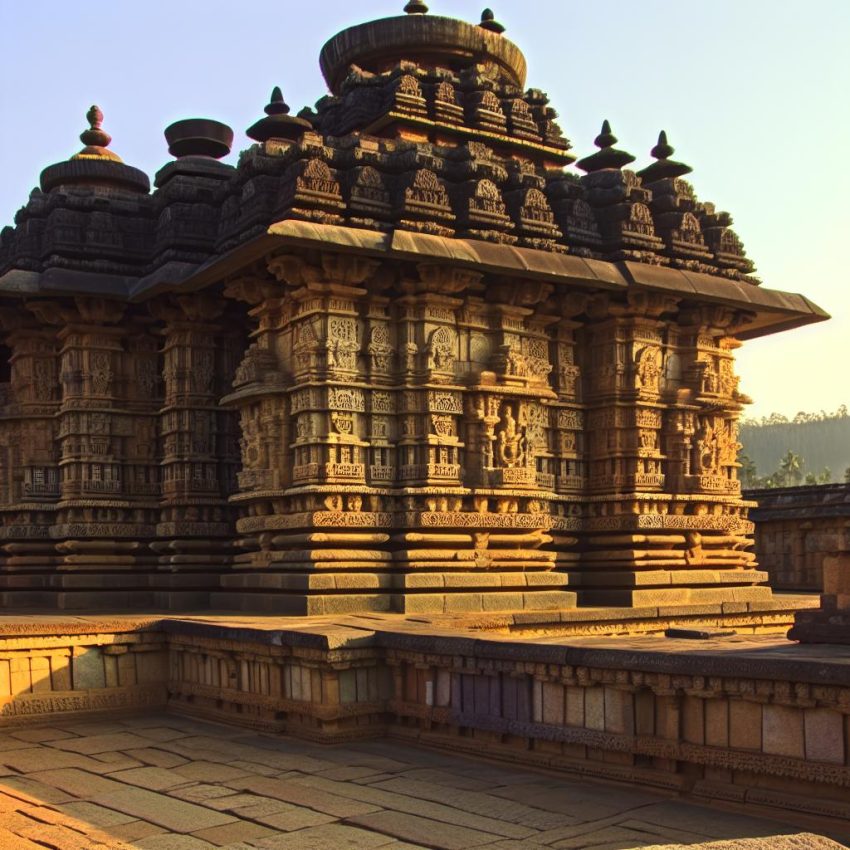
{"x":796,"y":527}
{"x":42,"y":675}
{"x":753,"y":721}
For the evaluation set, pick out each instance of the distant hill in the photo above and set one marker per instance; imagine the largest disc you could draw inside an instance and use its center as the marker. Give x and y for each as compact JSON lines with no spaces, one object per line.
{"x":820,"y":440}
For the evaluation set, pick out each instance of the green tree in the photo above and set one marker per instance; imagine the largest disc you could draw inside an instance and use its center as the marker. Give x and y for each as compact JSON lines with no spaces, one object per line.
{"x":791,"y":469}
{"x":748,"y":473}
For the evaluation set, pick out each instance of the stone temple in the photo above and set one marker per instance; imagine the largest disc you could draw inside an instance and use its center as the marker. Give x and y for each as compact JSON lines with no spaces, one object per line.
{"x":398,"y":359}
{"x":414,"y":366}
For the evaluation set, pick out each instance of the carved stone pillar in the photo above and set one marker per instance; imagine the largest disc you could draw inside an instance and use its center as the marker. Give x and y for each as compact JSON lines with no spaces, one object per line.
{"x":567,"y":430}
{"x":483,"y":545}
{"x":29,"y":474}
{"x":311,"y":523}
{"x":106,"y":438}
{"x":194,"y":528}
{"x":429,"y":444}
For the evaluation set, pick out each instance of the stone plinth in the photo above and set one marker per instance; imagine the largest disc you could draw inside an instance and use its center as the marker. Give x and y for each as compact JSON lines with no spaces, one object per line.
{"x":743,"y":720}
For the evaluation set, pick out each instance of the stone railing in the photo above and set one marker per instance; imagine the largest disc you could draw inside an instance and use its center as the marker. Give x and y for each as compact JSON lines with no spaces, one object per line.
{"x":258,"y":479}
{"x":109,"y":487}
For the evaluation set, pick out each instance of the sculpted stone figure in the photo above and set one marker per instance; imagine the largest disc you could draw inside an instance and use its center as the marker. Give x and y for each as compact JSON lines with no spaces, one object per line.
{"x":511,"y":440}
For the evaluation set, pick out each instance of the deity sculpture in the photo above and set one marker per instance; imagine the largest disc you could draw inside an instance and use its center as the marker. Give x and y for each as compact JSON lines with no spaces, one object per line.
{"x":511,"y":440}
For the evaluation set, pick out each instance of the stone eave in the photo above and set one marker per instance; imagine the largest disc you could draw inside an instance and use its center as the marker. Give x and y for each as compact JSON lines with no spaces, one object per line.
{"x":771,"y":310}
{"x":59,"y":281}
{"x":192,"y":278}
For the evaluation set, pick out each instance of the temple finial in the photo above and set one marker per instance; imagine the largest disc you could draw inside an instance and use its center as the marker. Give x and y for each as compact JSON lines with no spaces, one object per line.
{"x":606,"y":138}
{"x":607,"y":156}
{"x":664,"y":167}
{"x":278,"y":123}
{"x":277,"y":105}
{"x":95,"y":136}
{"x":95,"y":139}
{"x":416,"y":7}
{"x":489,"y":22}
{"x":663,"y":150}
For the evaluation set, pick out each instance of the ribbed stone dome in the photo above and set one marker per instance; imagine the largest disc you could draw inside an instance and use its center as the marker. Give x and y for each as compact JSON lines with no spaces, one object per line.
{"x":376,"y":46}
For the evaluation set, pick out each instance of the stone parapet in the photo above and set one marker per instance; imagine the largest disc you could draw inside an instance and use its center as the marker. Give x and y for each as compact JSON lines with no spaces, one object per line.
{"x":740,"y":720}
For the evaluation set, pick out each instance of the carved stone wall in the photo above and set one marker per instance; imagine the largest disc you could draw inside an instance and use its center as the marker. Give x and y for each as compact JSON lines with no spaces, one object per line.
{"x":796,"y":528}
{"x":396,"y":442}
{"x":415,"y":437}
{"x":665,"y":520}
{"x":68,"y":675}
{"x":116,"y":457}
{"x":396,"y":358}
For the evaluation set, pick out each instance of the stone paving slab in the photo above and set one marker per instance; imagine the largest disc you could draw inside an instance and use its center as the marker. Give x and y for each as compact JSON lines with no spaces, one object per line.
{"x":68,"y":787}
{"x":803,"y":841}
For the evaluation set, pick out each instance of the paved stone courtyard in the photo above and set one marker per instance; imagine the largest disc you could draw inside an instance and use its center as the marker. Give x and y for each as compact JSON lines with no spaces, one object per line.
{"x":162,"y":782}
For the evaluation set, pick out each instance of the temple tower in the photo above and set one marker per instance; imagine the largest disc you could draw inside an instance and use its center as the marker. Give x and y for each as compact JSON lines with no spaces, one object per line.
{"x":401,"y":357}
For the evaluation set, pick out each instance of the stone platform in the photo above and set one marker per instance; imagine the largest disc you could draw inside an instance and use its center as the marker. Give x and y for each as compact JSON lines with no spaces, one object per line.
{"x":163,"y":782}
{"x":750,"y":721}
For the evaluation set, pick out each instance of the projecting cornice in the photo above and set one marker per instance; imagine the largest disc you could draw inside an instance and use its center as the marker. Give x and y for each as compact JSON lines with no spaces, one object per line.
{"x":771,"y":310}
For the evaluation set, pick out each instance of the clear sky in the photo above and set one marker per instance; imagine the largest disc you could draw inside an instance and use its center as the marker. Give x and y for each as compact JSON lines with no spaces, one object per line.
{"x":753,"y":94}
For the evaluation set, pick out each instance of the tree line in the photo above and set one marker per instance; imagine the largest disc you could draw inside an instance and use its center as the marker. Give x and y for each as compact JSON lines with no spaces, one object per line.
{"x":790,"y":473}
{"x":799,"y":419}
{"x":782,"y":452}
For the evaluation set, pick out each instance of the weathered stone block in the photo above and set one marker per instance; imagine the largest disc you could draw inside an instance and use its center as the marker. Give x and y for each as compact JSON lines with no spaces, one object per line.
{"x":782,"y":731}
{"x":574,"y":712}
{"x":87,"y":667}
{"x":717,"y":722}
{"x":60,"y":671}
{"x":594,"y":708}
{"x":693,"y":719}
{"x":745,"y":725}
{"x":645,"y":712}
{"x":824,"y":733}
{"x":553,"y":703}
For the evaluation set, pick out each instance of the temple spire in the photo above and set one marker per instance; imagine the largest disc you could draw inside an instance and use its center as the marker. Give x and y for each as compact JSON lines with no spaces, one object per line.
{"x":607,"y":156}
{"x":663,"y":167}
{"x":416,"y":7}
{"x":95,"y":164}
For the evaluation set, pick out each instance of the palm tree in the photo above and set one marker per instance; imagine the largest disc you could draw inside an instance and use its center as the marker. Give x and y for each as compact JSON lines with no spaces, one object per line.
{"x":791,"y":468}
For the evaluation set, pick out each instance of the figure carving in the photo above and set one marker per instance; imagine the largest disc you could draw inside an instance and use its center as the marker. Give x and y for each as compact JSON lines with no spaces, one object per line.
{"x":648,"y":369}
{"x":511,"y":440}
{"x":441,"y":350}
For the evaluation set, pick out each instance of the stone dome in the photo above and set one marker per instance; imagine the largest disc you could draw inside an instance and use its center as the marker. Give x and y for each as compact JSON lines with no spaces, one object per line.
{"x":376,"y":46}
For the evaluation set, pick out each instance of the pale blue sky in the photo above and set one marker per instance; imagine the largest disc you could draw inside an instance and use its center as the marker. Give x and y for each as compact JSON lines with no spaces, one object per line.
{"x":753,"y":94}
